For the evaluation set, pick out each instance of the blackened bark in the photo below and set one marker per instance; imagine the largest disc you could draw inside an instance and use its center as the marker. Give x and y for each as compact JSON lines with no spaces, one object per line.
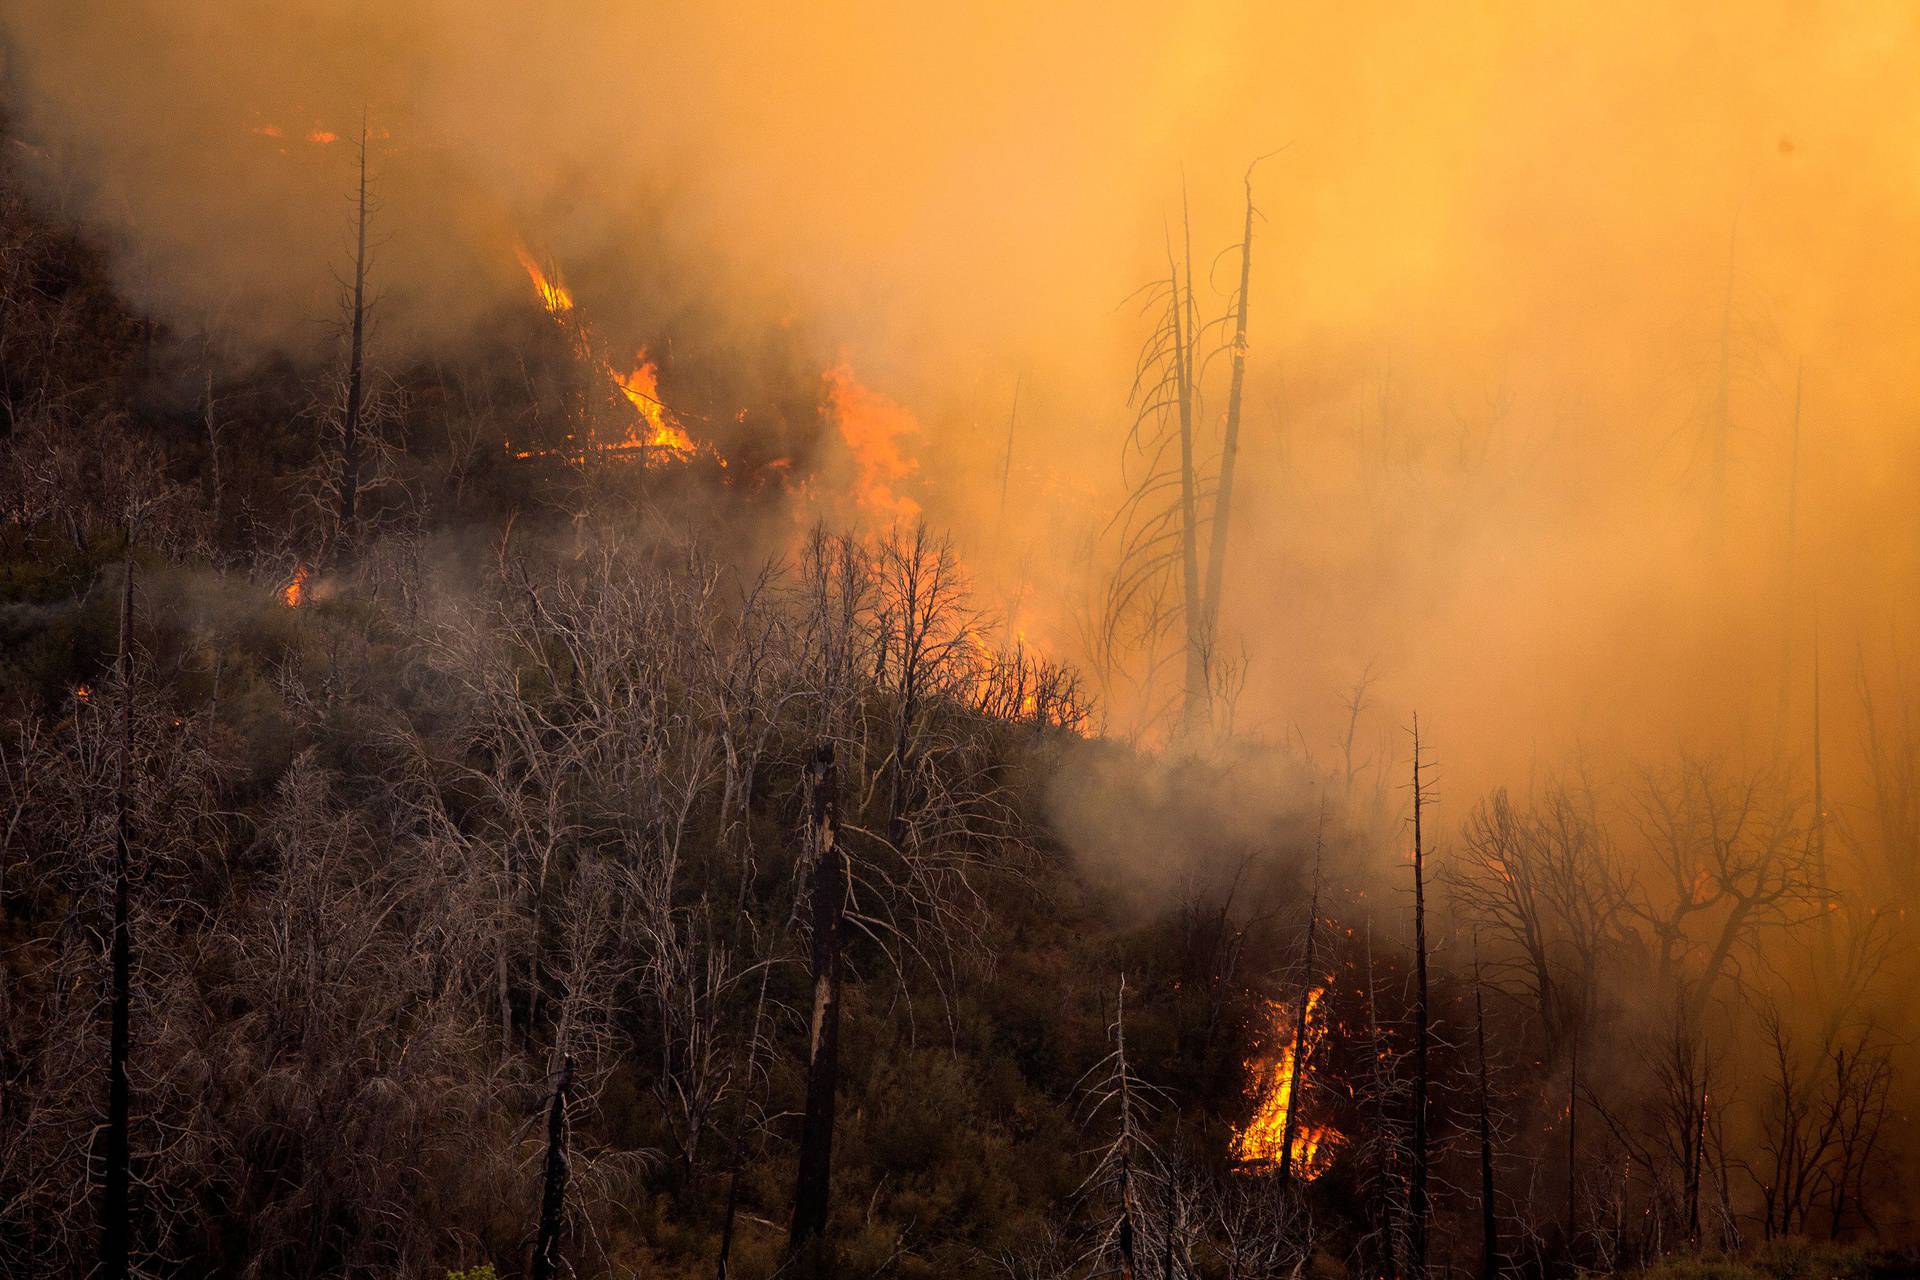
{"x":1169,"y":1271}
{"x":1573,"y":1124}
{"x":1299,"y":1083}
{"x":115,"y":1236}
{"x":738,"y":1161}
{"x":812,"y":1183}
{"x":1417,"y":1191}
{"x":1230,"y":440}
{"x":1197,"y":708}
{"x":1489,"y":1224}
{"x":357,"y":327}
{"x":553,"y":1196}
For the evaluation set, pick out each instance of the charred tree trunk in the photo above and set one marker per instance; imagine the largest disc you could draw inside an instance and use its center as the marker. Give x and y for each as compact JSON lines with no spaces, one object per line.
{"x":738,"y":1162}
{"x":1197,"y":710}
{"x":115,"y":1236}
{"x":216,"y":497}
{"x":1291,"y":1124}
{"x":1696,"y":1158}
{"x":1489,"y":1224}
{"x":1126,"y":1239}
{"x":1170,"y":1270}
{"x":553,"y":1197}
{"x":1230,"y":440}
{"x":811,"y":1187}
{"x":356,"y":345}
{"x":1417,"y":1209}
{"x":1573,"y":1119}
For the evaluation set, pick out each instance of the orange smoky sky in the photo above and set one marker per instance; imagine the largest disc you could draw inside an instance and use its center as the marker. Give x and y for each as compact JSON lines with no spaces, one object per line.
{"x":1516,"y":266}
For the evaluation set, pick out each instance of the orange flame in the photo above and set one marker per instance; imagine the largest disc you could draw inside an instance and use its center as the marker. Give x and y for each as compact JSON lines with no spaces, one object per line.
{"x":872,"y":425}
{"x":656,"y":434}
{"x":294,"y":594}
{"x":1270,"y":1082}
{"x":554,"y":296}
{"x":83,"y":692}
{"x":663,"y":431}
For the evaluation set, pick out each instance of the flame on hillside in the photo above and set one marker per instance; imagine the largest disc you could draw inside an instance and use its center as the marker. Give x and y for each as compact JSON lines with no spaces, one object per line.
{"x":294,"y":594}
{"x":874,"y":428}
{"x":554,"y":296}
{"x":1271,"y":1082}
{"x":654,"y":433}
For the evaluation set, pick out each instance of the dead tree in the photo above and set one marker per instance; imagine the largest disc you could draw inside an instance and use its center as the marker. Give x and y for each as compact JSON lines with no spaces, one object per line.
{"x":1573,"y":1129}
{"x":356,"y":346}
{"x":1489,"y":1223}
{"x":829,"y":892}
{"x":1185,"y":348}
{"x":926,"y":633}
{"x":1290,"y":1125}
{"x":1230,"y":441}
{"x":1728,"y":853}
{"x":553,"y":1197}
{"x":1382,"y":1155}
{"x":1158,"y":591}
{"x":1417,"y":1207}
{"x":115,"y":1236}
{"x":1128,"y":1158}
{"x":738,"y":1163}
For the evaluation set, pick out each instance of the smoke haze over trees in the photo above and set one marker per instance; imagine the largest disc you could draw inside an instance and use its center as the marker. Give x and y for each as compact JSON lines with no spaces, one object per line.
{"x":692,"y":640}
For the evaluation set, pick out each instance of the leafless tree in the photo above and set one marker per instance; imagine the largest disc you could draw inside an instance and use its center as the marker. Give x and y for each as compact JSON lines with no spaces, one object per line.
{"x":1729,"y":857}
{"x":1542,"y":886}
{"x":827,"y":864}
{"x":1417,"y":1193}
{"x":1127,"y":1165}
{"x":553,"y":1194}
{"x":1157,"y":593}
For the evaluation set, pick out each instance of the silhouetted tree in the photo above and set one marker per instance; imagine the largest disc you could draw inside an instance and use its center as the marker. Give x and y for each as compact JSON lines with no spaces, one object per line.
{"x":812,"y":1186}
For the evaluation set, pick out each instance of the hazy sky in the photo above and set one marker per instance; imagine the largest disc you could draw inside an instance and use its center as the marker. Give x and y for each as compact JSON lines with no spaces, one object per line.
{"x":1497,"y":260}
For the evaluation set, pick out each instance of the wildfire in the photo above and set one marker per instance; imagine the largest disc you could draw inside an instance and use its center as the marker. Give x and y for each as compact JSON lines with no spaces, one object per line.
{"x":655,"y":433}
{"x":1270,"y":1082}
{"x":554,"y":296}
{"x":83,"y":693}
{"x":659,"y":430}
{"x":873,"y":427}
{"x":294,"y":594}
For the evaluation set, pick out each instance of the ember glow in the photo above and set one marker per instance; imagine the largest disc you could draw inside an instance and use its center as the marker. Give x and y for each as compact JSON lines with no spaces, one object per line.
{"x":1271,"y":1082}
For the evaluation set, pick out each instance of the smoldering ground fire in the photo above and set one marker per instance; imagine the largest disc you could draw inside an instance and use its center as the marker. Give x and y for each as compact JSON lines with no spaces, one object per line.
{"x":703,"y":641}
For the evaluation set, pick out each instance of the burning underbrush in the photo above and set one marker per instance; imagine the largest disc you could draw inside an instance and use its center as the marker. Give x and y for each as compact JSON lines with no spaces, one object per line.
{"x":1281,"y":1136}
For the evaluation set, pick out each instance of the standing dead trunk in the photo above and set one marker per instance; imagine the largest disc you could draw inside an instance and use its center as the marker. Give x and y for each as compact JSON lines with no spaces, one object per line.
{"x":1170,"y":1270}
{"x":356,"y":343}
{"x":216,"y":497}
{"x":1196,"y":710}
{"x":1573,"y":1118}
{"x":1696,"y":1158}
{"x":1417,"y":1191}
{"x":812,"y":1183}
{"x":1290,"y":1125}
{"x":1127,"y":1141}
{"x":1489,"y":1223}
{"x":1230,"y":440}
{"x":553,"y":1197}
{"x":115,"y":1236}
{"x":738,"y":1162}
